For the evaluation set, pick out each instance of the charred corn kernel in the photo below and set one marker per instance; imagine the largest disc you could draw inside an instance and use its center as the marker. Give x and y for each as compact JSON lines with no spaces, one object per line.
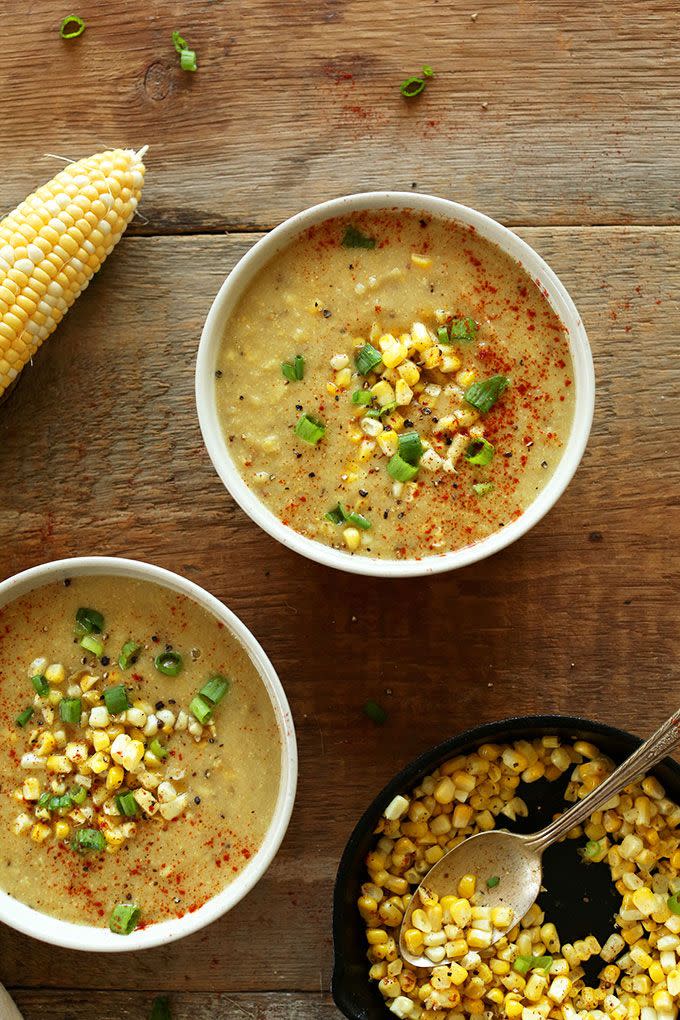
{"x":432,"y":357}
{"x":403,"y":394}
{"x":467,"y":886}
{"x":54,"y":674}
{"x":98,"y":762}
{"x":445,"y":791}
{"x":40,"y":832}
{"x":44,"y":745}
{"x":61,"y":829}
{"x":31,"y":788}
{"x":640,"y":957}
{"x":58,"y":763}
{"x":101,"y":740}
{"x":352,"y":538}
{"x":115,"y":777}
{"x":409,"y":372}
{"x":559,"y":989}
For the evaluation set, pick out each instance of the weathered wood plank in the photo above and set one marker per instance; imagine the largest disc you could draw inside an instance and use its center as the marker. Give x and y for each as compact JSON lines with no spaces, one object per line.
{"x":100,"y":451}
{"x":296,"y":101}
{"x":73,"y":1004}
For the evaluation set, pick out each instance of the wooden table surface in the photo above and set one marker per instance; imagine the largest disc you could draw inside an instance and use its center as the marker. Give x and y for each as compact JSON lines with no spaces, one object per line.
{"x":559,"y":118}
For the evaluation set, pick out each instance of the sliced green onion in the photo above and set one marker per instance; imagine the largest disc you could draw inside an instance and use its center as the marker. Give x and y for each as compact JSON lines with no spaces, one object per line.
{"x":375,"y":712}
{"x":90,"y":644}
{"x":69,"y":710}
{"x":160,"y":1010}
{"x":78,"y":794}
{"x":443,"y":335}
{"x":65,"y":30}
{"x":358,"y":520}
{"x":483,"y":395}
{"x":179,"y":42}
{"x":44,"y":800}
{"x":168,"y":663}
{"x":201,"y":709}
{"x":492,"y":882}
{"x":215,"y":688}
{"x":400,"y":470}
{"x":412,"y":87}
{"x":85,"y":840}
{"x":61,"y":803}
{"x":158,"y":749}
{"x":362,"y":397}
{"x":673,"y":903}
{"x":89,"y":621}
{"x":116,"y":699}
{"x":187,"y":60}
{"x":483,"y":488}
{"x":542,"y":963}
{"x":410,"y":447}
{"x":464,"y":330}
{"x":353,"y":238}
{"x":126,"y":803}
{"x":40,"y":685}
{"x":480,"y":452}
{"x":367,"y":358}
{"x":129,"y":654}
{"x":427,"y":71}
{"x":294,"y":370}
{"x":592,"y":849}
{"x":336,"y":515}
{"x":124,"y":918}
{"x":522,"y":964}
{"x":382,"y":411}
{"x":24,"y":716}
{"x":309,"y":429}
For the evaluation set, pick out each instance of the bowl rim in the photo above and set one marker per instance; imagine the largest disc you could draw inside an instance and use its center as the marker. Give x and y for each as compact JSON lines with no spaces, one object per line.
{"x":408,"y":775}
{"x":261,"y":252}
{"x":88,"y":938}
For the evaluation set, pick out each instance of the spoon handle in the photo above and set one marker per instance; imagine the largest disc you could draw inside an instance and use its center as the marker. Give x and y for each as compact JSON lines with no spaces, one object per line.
{"x":661,"y":743}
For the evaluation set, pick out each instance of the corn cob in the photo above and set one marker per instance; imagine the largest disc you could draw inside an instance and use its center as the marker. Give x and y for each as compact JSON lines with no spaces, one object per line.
{"x":54,"y":242}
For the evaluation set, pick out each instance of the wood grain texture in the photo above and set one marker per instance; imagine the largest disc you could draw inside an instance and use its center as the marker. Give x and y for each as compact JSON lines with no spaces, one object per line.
{"x":296,"y":101}
{"x":100,"y":452}
{"x":184,"y":1006}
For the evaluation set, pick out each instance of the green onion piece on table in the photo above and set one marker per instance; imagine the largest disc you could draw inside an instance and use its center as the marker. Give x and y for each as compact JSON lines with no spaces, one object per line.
{"x":492,"y":882}
{"x":124,"y":918}
{"x":179,"y":42}
{"x":464,"y":330}
{"x":89,"y":621}
{"x":71,"y":27}
{"x":201,"y":709}
{"x":187,"y":60}
{"x":410,"y":448}
{"x":160,"y":1009}
{"x":482,"y":488}
{"x":116,"y":699}
{"x":24,"y":716}
{"x":483,"y":395}
{"x":126,"y":803}
{"x":401,"y":470}
{"x":70,"y":710}
{"x":158,"y":749}
{"x":427,"y":71}
{"x":215,"y":688}
{"x":673,"y":903}
{"x":168,"y":663}
{"x":129,"y":654}
{"x":353,"y":238}
{"x":293,"y":370}
{"x":86,"y":840}
{"x":480,"y":452}
{"x":309,"y":429}
{"x":363,"y":397}
{"x":91,"y":644}
{"x":367,"y":358}
{"x":375,"y":712}
{"x":40,"y":685}
{"x":412,"y":87}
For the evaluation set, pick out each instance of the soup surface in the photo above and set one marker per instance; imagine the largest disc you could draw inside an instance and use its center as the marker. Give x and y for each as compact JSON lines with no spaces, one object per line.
{"x":148,"y":806}
{"x":395,"y":385}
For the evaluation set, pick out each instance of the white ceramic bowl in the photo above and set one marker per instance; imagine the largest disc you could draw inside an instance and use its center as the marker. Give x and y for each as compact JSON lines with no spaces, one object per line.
{"x":76,"y":936}
{"x":248,"y":267}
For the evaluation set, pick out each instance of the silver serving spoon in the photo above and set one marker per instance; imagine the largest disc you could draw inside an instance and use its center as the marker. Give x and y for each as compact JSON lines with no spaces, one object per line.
{"x":515,"y":859}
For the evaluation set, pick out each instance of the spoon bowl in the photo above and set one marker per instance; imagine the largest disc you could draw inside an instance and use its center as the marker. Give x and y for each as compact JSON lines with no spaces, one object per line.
{"x":497,"y":854}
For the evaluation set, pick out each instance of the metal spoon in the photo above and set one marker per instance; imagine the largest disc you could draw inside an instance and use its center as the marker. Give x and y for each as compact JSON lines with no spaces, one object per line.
{"x":515,"y":859}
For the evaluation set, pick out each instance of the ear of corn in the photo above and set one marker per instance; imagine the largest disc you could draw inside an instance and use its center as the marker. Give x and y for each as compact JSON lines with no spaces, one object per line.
{"x":54,"y":242}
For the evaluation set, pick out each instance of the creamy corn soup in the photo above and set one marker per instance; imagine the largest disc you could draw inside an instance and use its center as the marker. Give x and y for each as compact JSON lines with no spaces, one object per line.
{"x":139,"y":753}
{"x":395,"y":385}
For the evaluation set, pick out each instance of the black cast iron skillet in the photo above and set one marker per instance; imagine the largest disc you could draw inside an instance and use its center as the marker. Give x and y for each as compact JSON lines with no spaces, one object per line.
{"x":579,"y":897}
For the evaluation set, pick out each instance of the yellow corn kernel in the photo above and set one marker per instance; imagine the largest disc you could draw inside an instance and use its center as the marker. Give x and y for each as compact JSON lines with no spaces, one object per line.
{"x":432,"y":357}
{"x":409,"y":372}
{"x":444,"y":792}
{"x":127,"y":752}
{"x":502,"y":917}
{"x":54,"y":697}
{"x":352,"y":538}
{"x":22,"y":823}
{"x":513,"y":1008}
{"x":366,"y":451}
{"x":388,"y":442}
{"x":98,"y":762}
{"x":31,"y":788}
{"x":500,"y":967}
{"x":413,"y":940}
{"x":88,"y":681}
{"x":467,"y":886}
{"x":374,"y":936}
{"x":461,"y":911}
{"x":383,"y":392}
{"x":422,"y":261}
{"x":115,"y":777}
{"x":55,"y":674}
{"x":466,"y":377}
{"x":61,"y":829}
{"x":101,"y":740}
{"x":45,"y":744}
{"x":403,"y":393}
{"x":656,"y":972}
{"x":450,"y":363}
{"x":343,"y":378}
{"x":58,"y":763}
{"x":40,"y":832}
